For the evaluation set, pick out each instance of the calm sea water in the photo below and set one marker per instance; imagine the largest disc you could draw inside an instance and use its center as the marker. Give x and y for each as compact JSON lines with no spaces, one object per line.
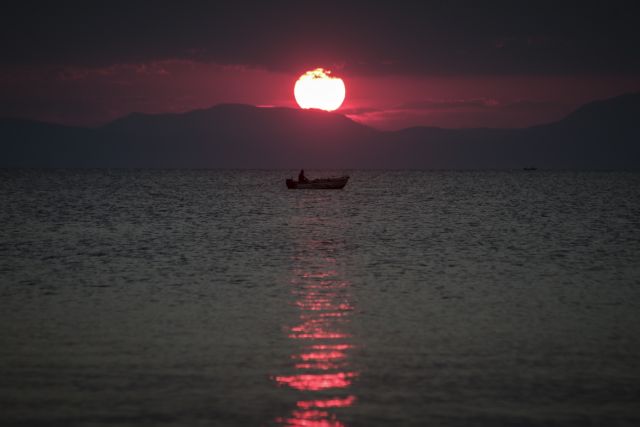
{"x":188,"y":298}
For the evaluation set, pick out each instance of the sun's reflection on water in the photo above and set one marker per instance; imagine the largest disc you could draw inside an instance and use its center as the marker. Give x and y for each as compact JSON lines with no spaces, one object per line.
{"x":321,"y":370}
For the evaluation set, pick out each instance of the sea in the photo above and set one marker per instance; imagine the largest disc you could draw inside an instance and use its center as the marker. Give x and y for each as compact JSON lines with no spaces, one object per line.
{"x":409,"y":298}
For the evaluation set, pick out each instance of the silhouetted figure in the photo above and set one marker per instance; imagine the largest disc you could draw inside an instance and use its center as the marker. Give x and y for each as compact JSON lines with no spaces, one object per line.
{"x":301,"y":177}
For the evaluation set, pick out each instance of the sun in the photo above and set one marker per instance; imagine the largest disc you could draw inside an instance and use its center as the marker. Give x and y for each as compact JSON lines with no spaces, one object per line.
{"x":318,"y":89}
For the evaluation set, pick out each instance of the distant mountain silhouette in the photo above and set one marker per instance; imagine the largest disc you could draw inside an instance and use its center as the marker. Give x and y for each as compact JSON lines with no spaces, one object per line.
{"x":239,"y":136}
{"x":602,"y":135}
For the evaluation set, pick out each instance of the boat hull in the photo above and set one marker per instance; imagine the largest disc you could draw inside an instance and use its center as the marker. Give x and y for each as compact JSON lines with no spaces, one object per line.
{"x":319,"y":184}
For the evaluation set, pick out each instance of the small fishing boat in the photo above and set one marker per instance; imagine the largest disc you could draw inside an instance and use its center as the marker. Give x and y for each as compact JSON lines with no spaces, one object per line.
{"x":318,"y":184}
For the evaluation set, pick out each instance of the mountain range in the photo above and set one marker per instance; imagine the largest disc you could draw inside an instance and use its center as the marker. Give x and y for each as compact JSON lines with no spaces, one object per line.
{"x":600,"y":135}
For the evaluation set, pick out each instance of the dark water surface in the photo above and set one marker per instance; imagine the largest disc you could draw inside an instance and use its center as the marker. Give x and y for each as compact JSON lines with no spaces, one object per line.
{"x":188,"y":298}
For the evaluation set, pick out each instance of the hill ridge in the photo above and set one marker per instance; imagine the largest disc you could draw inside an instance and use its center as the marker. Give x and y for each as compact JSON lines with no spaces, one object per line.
{"x":600,"y":134}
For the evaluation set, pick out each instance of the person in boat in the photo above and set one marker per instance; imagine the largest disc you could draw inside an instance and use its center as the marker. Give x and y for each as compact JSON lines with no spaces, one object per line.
{"x":301,"y":177}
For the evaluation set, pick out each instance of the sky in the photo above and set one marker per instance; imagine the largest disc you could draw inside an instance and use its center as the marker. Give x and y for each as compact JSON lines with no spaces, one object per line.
{"x":430,"y":63}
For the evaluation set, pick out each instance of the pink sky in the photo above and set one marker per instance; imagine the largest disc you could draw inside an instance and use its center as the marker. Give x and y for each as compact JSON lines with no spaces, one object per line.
{"x":93,"y":96}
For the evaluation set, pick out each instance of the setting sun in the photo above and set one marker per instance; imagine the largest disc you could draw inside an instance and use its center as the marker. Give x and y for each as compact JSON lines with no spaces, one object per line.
{"x":318,"y":89}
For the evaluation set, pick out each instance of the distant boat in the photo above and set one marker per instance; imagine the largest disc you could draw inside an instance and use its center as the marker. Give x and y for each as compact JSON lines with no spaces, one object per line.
{"x":318,"y":184}
{"x":531,"y":168}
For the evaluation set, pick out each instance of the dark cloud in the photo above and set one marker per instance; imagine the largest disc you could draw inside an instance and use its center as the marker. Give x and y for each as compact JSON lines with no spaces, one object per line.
{"x":395,"y":37}
{"x":454,"y":113}
{"x":478,"y":104}
{"x":455,"y":104}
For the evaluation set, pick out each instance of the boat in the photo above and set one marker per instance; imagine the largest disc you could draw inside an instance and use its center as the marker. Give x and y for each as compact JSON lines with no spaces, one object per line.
{"x":531,"y":168}
{"x":318,"y":184}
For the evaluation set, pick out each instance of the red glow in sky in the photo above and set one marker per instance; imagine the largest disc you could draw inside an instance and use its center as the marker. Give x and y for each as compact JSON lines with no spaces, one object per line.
{"x":448,"y":64}
{"x":95,"y":95}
